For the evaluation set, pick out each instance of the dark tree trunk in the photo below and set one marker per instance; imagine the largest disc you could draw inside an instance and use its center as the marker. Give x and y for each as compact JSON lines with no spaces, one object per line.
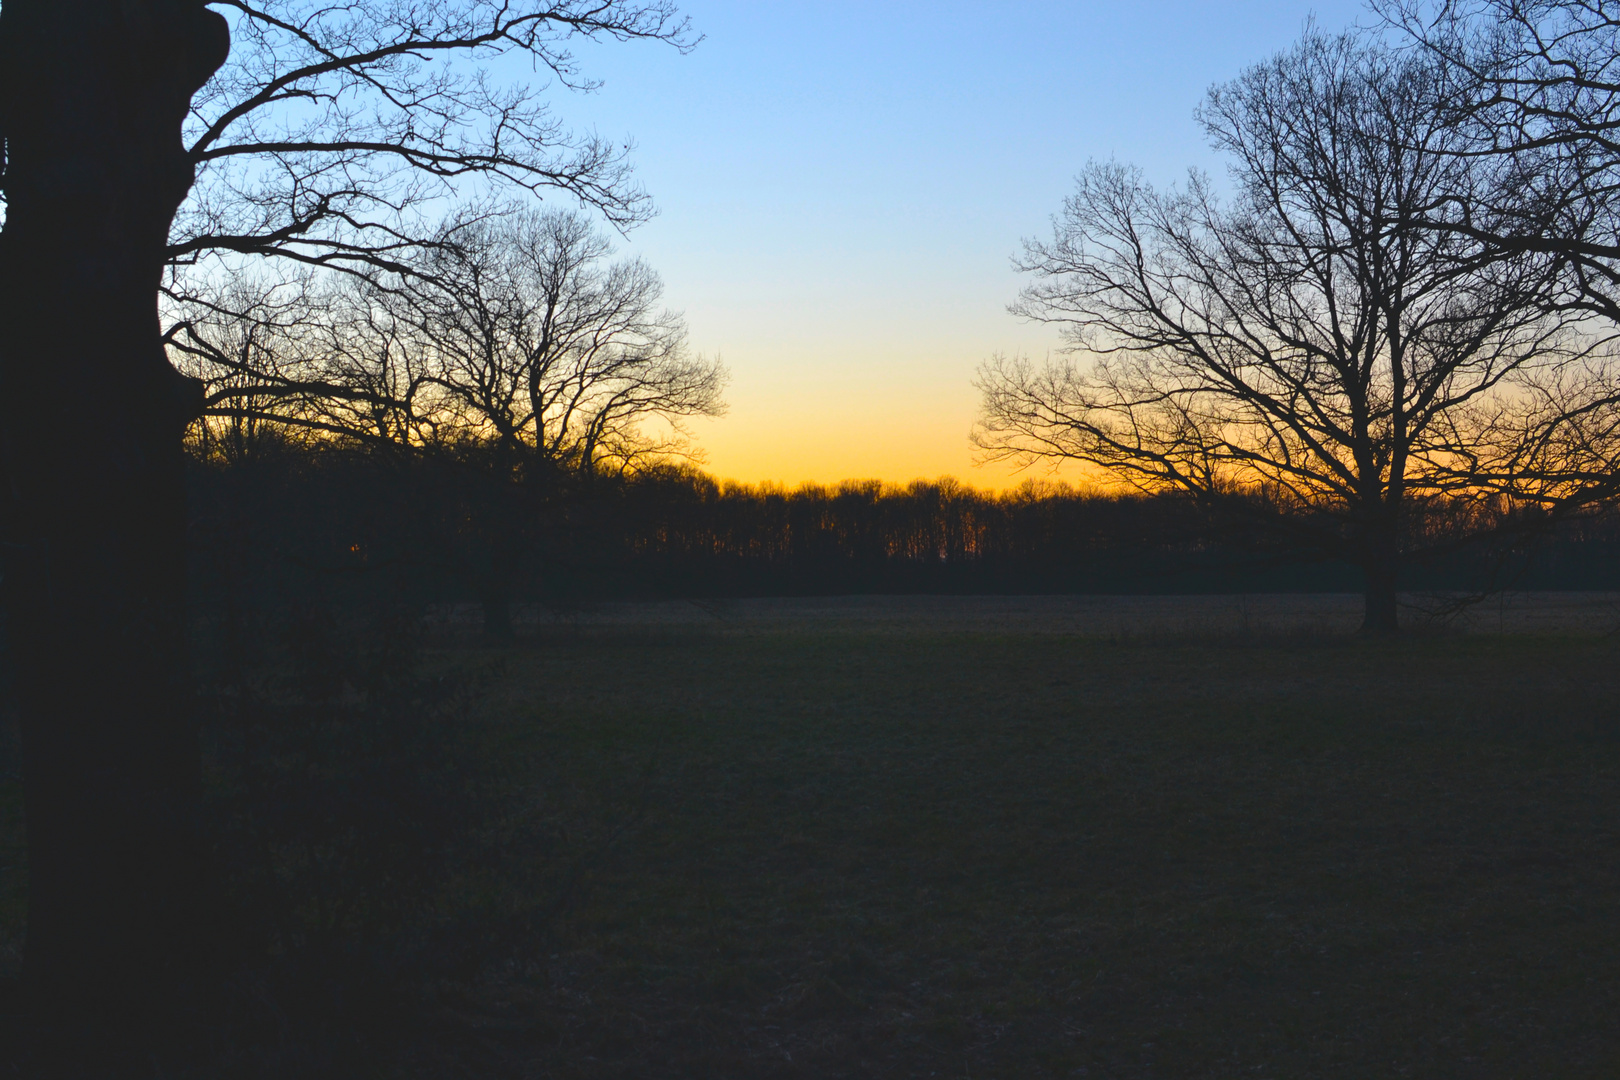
{"x":92,"y":97}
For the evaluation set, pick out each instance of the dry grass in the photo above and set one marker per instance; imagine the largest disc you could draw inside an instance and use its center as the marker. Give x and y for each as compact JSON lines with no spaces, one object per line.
{"x":1215,"y":616}
{"x":899,"y":843}
{"x":868,"y":852}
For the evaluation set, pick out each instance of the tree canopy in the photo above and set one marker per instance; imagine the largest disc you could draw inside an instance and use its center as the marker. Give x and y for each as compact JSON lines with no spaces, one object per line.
{"x":1308,"y":339}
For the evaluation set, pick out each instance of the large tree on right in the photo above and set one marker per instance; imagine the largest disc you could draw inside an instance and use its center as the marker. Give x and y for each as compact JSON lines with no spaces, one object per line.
{"x":1309,"y":349}
{"x":1535,"y":88}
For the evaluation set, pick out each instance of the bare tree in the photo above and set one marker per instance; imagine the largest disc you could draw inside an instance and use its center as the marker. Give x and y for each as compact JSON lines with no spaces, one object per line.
{"x":510,"y":341}
{"x":1536,"y":99}
{"x":537,"y":342}
{"x":1311,"y":348}
{"x":332,"y":125}
{"x":319,"y":143}
{"x":513,"y":329}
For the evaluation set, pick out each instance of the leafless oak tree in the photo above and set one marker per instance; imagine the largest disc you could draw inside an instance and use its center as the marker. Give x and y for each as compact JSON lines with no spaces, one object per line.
{"x":511,"y":341}
{"x":334,"y":135}
{"x":92,"y":97}
{"x":532,"y":339}
{"x":511,"y":329}
{"x":1536,"y":92}
{"x":1310,"y":343}
{"x":331,"y":126}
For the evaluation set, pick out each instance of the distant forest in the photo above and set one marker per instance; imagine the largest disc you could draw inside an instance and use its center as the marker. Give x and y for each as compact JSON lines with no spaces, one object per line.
{"x":323,"y":519}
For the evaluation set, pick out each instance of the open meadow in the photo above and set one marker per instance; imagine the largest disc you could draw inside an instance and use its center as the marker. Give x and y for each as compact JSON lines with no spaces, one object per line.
{"x":974,"y":838}
{"x":906,"y":841}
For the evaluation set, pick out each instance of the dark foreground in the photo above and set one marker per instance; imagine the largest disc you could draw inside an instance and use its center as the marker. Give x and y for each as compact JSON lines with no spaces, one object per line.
{"x":826,"y":847}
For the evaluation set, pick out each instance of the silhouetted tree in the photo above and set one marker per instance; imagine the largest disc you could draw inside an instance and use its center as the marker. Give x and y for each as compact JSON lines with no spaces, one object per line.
{"x":332,"y":127}
{"x":1535,"y":98}
{"x":1312,"y":344}
{"x":545,"y":364}
{"x":510,"y":347}
{"x":92,"y":98}
{"x":316,"y":143}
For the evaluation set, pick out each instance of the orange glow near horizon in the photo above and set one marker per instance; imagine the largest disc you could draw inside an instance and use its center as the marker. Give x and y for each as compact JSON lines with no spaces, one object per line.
{"x":789,"y":449}
{"x":858,"y":399}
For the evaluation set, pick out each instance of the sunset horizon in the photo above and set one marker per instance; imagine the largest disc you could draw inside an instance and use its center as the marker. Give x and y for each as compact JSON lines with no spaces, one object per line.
{"x":840,"y":232}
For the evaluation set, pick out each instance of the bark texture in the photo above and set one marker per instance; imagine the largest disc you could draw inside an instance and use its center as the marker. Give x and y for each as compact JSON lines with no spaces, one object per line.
{"x":93,"y":94}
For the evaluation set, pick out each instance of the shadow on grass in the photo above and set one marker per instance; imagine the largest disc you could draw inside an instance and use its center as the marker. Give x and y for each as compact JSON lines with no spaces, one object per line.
{"x":716,"y":850}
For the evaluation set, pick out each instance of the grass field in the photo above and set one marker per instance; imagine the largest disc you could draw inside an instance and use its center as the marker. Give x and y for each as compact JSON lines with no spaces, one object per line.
{"x":855,"y":850}
{"x":908,"y":841}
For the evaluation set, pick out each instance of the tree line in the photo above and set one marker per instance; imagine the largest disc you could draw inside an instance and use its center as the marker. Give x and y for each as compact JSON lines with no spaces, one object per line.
{"x":295,"y":523}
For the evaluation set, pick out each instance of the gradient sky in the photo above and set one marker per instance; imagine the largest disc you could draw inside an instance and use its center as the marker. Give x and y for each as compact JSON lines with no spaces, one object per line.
{"x":842,"y":185}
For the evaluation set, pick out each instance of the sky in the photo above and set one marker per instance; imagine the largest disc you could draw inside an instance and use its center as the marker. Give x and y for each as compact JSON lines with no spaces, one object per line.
{"x":842,"y":186}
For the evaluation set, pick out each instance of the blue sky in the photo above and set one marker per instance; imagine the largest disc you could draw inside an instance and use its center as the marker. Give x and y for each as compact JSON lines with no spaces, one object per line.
{"x":841,"y":187}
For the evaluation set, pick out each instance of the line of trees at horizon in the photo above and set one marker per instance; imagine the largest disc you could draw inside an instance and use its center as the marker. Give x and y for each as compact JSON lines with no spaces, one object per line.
{"x":303,"y":521}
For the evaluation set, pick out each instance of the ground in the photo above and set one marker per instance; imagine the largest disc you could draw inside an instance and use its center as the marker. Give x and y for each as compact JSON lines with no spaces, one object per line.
{"x":980,"y":837}
{"x":1021,"y":838}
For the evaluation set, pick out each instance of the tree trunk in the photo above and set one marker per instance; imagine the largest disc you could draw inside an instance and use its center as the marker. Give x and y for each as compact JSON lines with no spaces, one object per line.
{"x":92,"y":97}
